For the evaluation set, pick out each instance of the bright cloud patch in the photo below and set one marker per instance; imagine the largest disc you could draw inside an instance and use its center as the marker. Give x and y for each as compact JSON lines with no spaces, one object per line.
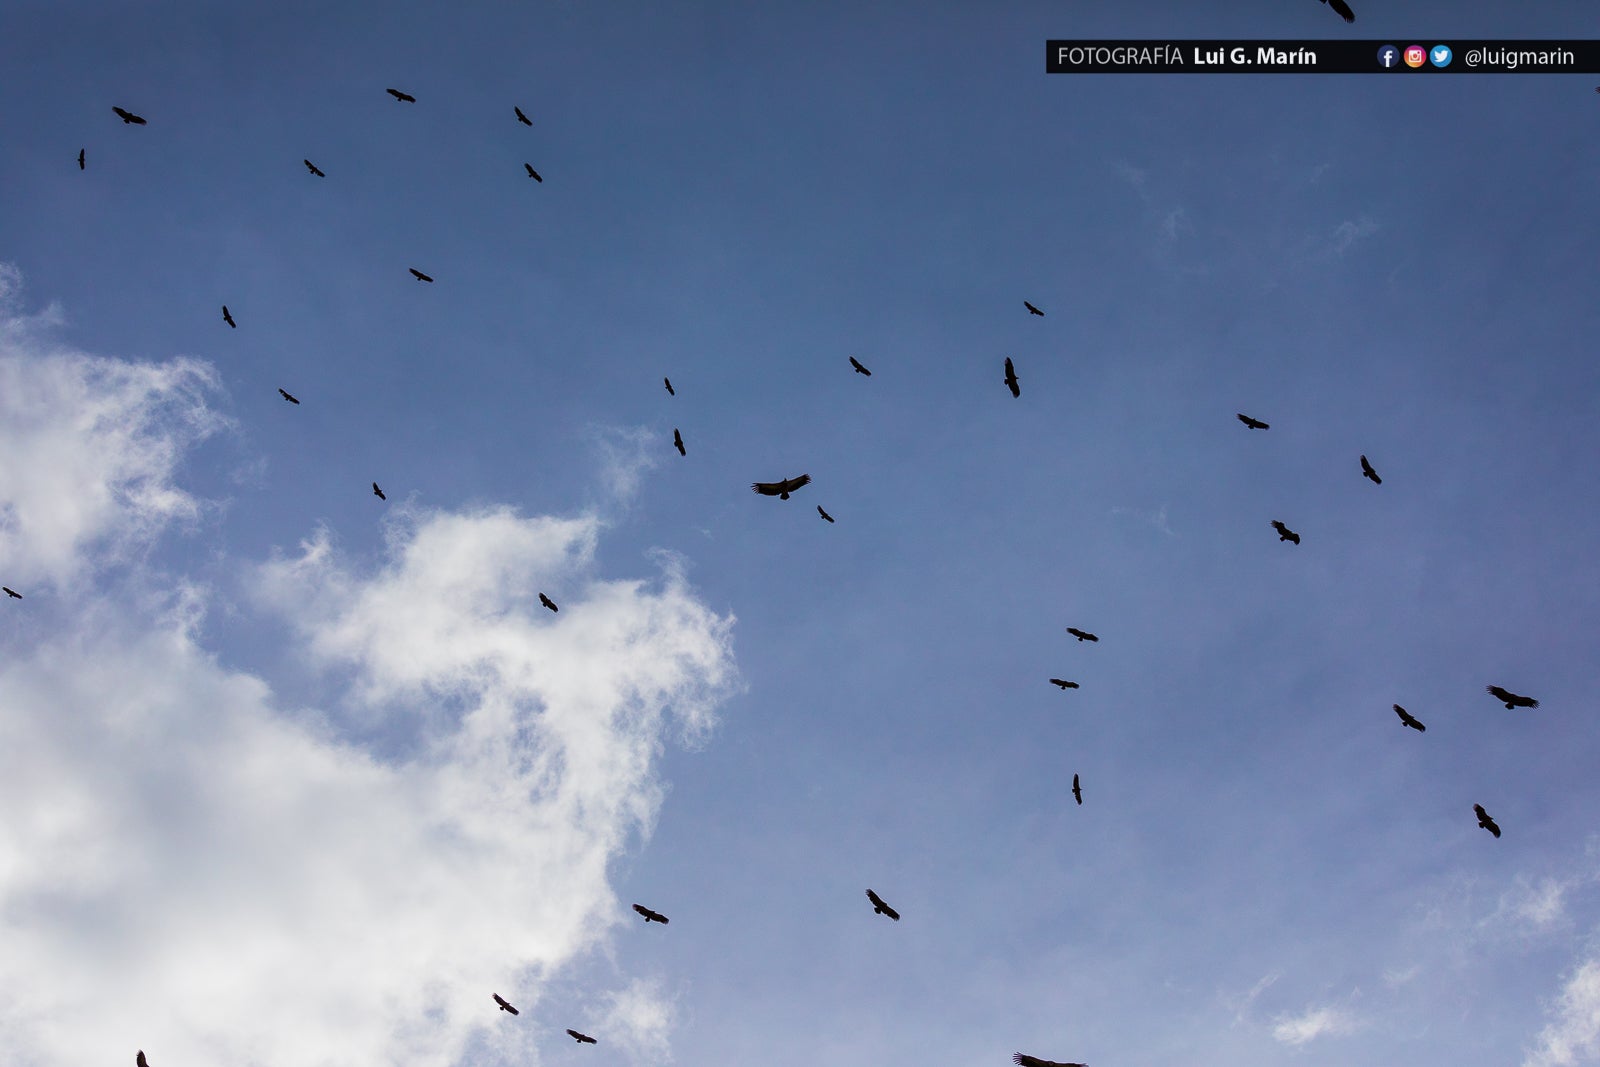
{"x":1574,"y":1035}
{"x":1312,"y":1024}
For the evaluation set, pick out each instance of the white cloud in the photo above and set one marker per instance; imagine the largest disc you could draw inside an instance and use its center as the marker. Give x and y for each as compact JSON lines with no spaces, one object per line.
{"x":1311,"y":1024}
{"x":639,"y":1020}
{"x":1241,"y":1006}
{"x":1574,"y":1036}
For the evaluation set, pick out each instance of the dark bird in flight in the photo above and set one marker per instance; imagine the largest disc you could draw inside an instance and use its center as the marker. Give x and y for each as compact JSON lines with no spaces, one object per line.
{"x":80,"y":159}
{"x":1031,"y":309}
{"x":782,"y":489}
{"x":10,"y":592}
{"x":880,"y":908}
{"x":1511,"y":699}
{"x":140,"y":1061}
{"x":312,"y":167}
{"x":650,"y":916}
{"x":677,"y":439}
{"x":1011,"y":378}
{"x":1284,"y":533}
{"x":1077,"y":791}
{"x":533,"y":173}
{"x":1407,"y":719}
{"x":1254,"y":424}
{"x":128,"y":117}
{"x":498,"y":999}
{"x":287,"y":397}
{"x":417,"y":274}
{"x":1081,"y":635}
{"x":824,"y":514}
{"x":859,"y":368}
{"x":227,"y":318}
{"x":398,"y":95}
{"x":582,"y":1039}
{"x":525,"y":120}
{"x":1342,"y":8}
{"x":378,"y":492}
{"x":1368,"y":472}
{"x":1486,"y":822}
{"x":547,"y":602}
{"x":1063,"y":683}
{"x":1022,"y":1059}
{"x":670,"y":390}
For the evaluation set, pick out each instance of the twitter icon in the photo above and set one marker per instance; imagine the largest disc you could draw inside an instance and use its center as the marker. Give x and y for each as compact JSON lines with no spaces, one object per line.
{"x":1440,"y":56}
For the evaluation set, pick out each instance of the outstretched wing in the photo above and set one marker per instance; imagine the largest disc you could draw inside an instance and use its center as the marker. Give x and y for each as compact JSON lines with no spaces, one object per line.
{"x":1342,"y":8}
{"x":677,"y":439}
{"x":533,"y":173}
{"x":547,"y":602}
{"x":856,"y":363}
{"x":791,"y":484}
{"x":398,"y":95}
{"x":1063,"y":683}
{"x":1022,"y":1059}
{"x":824,"y":514}
{"x":767,"y":488}
{"x":670,"y":390}
{"x":521,"y":117}
{"x":1407,"y":719}
{"x":1031,"y":309}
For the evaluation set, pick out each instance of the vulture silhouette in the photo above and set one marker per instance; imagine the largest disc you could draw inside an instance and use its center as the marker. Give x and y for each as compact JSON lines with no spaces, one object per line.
{"x":533,"y":173}
{"x":1011,"y":378}
{"x":312,"y":167}
{"x":547,"y":602}
{"x":227,"y":318}
{"x":498,"y":999}
{"x":525,"y":120}
{"x":80,"y":159}
{"x":1368,"y":472}
{"x":782,"y":489}
{"x":582,"y":1039}
{"x":128,"y":117}
{"x":378,"y":492}
{"x":398,"y":95}
{"x":1022,"y":1059}
{"x":287,"y":397}
{"x":1342,"y":8}
{"x":824,"y":514}
{"x":12,"y":593}
{"x":1511,"y":699}
{"x":880,"y":908}
{"x":677,"y":439}
{"x":670,"y":390}
{"x":859,"y":368}
{"x":1254,"y":424}
{"x":418,"y":275}
{"x":1284,"y":533}
{"x":1031,"y":309}
{"x":650,"y":916}
{"x":1407,"y":719}
{"x":1063,"y":683}
{"x":1081,"y":635}
{"x":1077,"y":791}
{"x":1486,"y":822}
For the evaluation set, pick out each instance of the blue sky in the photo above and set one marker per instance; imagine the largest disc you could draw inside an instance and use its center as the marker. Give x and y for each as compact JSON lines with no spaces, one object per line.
{"x":291,"y":774}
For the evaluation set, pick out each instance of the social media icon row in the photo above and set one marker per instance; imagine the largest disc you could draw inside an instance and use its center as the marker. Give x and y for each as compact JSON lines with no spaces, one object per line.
{"x":1414,"y":56}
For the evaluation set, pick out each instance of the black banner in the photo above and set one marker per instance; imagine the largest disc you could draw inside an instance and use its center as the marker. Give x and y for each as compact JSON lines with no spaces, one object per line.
{"x":1322,"y":57}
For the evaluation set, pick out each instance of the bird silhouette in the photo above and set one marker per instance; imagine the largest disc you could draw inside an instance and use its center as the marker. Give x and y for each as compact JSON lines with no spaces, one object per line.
{"x":417,"y":274}
{"x":1407,"y":719}
{"x":398,"y":95}
{"x":677,"y":439}
{"x":1368,"y":472}
{"x":10,"y":592}
{"x":1511,"y":699}
{"x":547,"y":602}
{"x":287,"y":397}
{"x":1063,"y":683}
{"x":824,"y":514}
{"x":227,"y":318}
{"x":1486,"y":822}
{"x":80,"y":159}
{"x":670,"y":390}
{"x":533,"y":173}
{"x":1081,"y":635}
{"x":312,"y":167}
{"x":582,"y":1039}
{"x":1077,"y":791}
{"x":650,"y":916}
{"x":498,"y":999}
{"x":525,"y":120}
{"x":1284,"y":533}
{"x":782,"y":489}
{"x":1342,"y":8}
{"x":1254,"y":424}
{"x":859,"y":368}
{"x":1011,"y":378}
{"x":1022,"y":1059}
{"x":880,"y":908}
{"x":128,"y":117}
{"x":1031,"y":309}
{"x":378,"y":492}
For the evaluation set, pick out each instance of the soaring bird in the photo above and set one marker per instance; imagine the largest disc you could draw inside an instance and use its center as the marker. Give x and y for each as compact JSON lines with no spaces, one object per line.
{"x":1406,"y":718}
{"x":1077,"y":791}
{"x":418,"y":275}
{"x":498,"y":999}
{"x":670,"y":390}
{"x":880,"y":908}
{"x":782,"y":489}
{"x":378,"y":492}
{"x":1022,"y":1059}
{"x":1031,"y":308}
{"x":287,"y":397}
{"x":677,"y":439}
{"x":1342,"y":8}
{"x":227,"y":318}
{"x":398,"y":95}
{"x":1512,"y":700}
{"x":1081,"y":635}
{"x":312,"y":167}
{"x":582,"y":1039}
{"x":1486,"y":822}
{"x":128,"y":117}
{"x":650,"y":916}
{"x":1254,"y":424}
{"x":533,"y":173}
{"x":140,"y":1061}
{"x":1063,"y":683}
{"x":1368,"y":472}
{"x":824,"y":514}
{"x":1011,"y":378}
{"x":525,"y":120}
{"x":547,"y":602}
{"x":859,"y":368}
{"x":80,"y":159}
{"x":1284,"y":533}
{"x":10,"y":592}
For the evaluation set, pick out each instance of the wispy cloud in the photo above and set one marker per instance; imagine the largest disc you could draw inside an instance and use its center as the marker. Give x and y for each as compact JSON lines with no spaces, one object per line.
{"x":639,"y":1020}
{"x":1573,"y":1036}
{"x":1311,"y":1024}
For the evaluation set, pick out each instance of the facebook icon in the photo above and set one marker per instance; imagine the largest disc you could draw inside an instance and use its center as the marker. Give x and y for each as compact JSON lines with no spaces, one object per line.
{"x":1388,"y":56}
